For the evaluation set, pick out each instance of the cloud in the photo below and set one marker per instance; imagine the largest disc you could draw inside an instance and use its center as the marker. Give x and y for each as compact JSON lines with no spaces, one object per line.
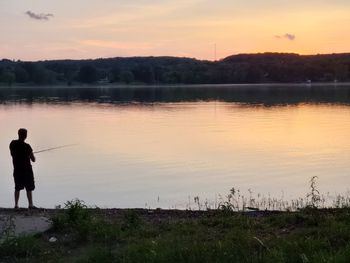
{"x":288,"y":36}
{"x":38,"y":16}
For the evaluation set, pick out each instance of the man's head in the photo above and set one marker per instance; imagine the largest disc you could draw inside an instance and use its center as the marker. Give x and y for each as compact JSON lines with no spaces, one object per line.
{"x":22,"y":134}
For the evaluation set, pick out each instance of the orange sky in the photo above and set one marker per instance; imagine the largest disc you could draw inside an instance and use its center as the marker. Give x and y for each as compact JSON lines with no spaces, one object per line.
{"x":91,"y":29}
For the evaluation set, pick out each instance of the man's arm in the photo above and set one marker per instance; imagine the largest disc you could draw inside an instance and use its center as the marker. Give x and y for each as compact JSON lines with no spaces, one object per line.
{"x":32,"y":157}
{"x":11,"y":148}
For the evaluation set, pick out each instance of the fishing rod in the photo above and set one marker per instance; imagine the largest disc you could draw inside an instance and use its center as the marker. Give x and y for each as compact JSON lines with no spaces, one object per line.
{"x":54,"y":148}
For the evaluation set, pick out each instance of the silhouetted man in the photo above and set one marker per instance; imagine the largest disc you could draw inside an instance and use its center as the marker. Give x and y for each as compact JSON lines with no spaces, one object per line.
{"x":22,"y":155}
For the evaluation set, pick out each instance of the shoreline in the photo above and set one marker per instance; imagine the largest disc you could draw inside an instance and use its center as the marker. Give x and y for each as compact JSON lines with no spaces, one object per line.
{"x":141,"y":85}
{"x":142,"y":235}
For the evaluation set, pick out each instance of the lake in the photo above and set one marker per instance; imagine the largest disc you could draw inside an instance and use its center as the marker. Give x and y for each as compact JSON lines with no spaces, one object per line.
{"x":162,"y":146}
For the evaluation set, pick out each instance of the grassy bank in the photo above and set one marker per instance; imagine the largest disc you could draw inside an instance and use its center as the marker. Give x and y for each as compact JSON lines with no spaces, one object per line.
{"x":114,"y":235}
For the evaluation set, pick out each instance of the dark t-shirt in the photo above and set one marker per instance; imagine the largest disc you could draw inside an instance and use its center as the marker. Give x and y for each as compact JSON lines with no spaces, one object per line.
{"x":20,"y":152}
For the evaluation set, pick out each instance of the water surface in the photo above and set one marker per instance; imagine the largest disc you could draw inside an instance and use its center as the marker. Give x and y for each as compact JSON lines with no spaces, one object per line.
{"x":160,"y":147}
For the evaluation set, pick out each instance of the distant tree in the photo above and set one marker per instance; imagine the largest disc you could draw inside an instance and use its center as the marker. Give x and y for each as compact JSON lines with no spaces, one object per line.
{"x":243,"y":68}
{"x":42,"y":76}
{"x":254,"y":74}
{"x":8,"y":77}
{"x":127,"y":77}
{"x":172,"y":77}
{"x":88,"y":74}
{"x":341,"y":72}
{"x":114,"y":74}
{"x":30,"y":68}
{"x":70,"y":72}
{"x":158,"y":73}
{"x":144,"y":73}
{"x":22,"y":75}
{"x":102,"y":74}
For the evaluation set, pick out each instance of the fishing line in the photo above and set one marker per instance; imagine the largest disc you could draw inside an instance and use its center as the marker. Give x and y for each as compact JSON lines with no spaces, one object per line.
{"x":54,"y":148}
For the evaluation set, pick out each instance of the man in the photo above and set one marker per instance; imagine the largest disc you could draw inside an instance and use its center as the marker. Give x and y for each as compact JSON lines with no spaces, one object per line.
{"x":22,"y":155}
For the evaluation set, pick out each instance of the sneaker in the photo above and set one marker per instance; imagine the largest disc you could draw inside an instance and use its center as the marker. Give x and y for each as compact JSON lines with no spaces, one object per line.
{"x":33,"y":207}
{"x":16,"y":207}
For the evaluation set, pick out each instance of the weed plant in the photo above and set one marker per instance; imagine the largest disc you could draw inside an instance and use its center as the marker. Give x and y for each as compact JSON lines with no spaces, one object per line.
{"x":307,"y":232}
{"x":237,"y":201}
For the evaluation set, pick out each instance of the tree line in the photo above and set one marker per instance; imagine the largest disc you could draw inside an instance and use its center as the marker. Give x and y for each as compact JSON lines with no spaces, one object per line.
{"x":243,"y":68}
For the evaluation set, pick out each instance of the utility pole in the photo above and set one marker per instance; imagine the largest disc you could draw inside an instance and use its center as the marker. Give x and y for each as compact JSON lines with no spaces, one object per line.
{"x":215,"y":52}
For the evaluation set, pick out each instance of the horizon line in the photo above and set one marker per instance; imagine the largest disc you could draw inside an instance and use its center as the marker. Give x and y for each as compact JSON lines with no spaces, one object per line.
{"x":170,"y":56}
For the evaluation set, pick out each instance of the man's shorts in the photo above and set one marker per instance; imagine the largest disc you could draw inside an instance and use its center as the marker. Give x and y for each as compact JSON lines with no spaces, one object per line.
{"x":24,"y":179}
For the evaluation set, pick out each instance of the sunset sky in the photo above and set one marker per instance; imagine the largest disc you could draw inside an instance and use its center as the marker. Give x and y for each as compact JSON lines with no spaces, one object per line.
{"x":48,"y":29}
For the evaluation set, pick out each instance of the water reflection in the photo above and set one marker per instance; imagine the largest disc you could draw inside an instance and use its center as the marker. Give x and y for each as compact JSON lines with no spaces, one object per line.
{"x":254,"y":94}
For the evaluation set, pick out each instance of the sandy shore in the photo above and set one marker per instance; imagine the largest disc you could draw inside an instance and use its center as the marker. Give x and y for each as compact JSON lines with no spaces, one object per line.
{"x":24,"y":221}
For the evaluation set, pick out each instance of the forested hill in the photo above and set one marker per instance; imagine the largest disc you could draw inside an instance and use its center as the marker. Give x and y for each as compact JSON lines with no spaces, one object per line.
{"x":243,"y":68}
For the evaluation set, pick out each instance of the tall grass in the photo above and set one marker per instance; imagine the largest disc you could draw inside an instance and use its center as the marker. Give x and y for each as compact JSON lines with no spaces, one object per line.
{"x":237,"y":200}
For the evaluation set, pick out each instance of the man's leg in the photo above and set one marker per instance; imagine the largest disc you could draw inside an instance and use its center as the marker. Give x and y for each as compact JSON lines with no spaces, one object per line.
{"x":30,"y":199}
{"x":16,"y":198}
